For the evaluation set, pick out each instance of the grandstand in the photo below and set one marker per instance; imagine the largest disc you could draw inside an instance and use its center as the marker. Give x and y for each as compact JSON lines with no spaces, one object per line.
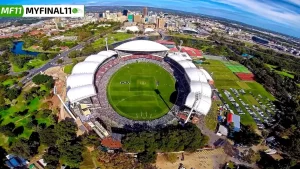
{"x":87,"y":85}
{"x":198,"y":80}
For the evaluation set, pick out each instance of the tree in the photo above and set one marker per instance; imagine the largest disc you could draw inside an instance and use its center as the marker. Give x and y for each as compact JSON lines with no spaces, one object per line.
{"x":51,"y":157}
{"x":21,"y":148}
{"x":46,"y":44}
{"x":66,"y":131}
{"x":46,"y":112}
{"x":34,"y":143}
{"x":42,"y":56}
{"x":8,"y":129}
{"x":88,"y":50}
{"x":41,"y":79}
{"x":48,"y":136}
{"x":169,"y":139}
{"x":13,"y":93}
{"x":74,"y":54}
{"x":71,"y":153}
{"x":3,"y":154}
{"x":147,"y":157}
{"x":60,"y":61}
{"x":91,"y":140}
{"x":249,"y":133}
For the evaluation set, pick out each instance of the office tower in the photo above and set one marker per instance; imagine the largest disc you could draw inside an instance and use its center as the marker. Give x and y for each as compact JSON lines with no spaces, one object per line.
{"x":125,"y":12}
{"x":145,"y":11}
{"x":160,"y":23}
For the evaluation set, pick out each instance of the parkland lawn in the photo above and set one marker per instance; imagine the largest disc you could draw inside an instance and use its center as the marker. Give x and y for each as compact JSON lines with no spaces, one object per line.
{"x":20,"y":105}
{"x":111,"y":38}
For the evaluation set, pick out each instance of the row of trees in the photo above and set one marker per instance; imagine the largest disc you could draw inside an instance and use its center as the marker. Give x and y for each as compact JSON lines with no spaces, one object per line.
{"x":63,"y":145}
{"x":170,"y":139}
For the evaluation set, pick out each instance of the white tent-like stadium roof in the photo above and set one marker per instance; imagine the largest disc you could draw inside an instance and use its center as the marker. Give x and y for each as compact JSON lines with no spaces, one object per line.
{"x":203,"y":88}
{"x":186,"y":64}
{"x":77,"y":80}
{"x":148,"y":30}
{"x":195,"y":74}
{"x":202,"y":105}
{"x":206,"y":74}
{"x":189,"y":29}
{"x":132,"y":28}
{"x":142,"y":46}
{"x":179,"y":56}
{"x":85,"y":67}
{"x":96,"y":58}
{"x":82,"y":92}
{"x":109,"y":53}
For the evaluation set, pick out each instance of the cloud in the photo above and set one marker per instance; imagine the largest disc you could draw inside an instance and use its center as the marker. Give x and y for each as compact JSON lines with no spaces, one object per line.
{"x":269,"y":10}
{"x":296,"y":2}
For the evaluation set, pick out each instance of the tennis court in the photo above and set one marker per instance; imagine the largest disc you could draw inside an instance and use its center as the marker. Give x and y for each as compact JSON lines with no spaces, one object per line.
{"x":236,"y":67}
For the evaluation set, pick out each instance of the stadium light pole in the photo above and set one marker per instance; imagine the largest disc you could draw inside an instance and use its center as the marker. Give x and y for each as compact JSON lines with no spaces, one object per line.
{"x":197,"y":97}
{"x":71,"y":114}
{"x":106,"y":44}
{"x":181,"y":42}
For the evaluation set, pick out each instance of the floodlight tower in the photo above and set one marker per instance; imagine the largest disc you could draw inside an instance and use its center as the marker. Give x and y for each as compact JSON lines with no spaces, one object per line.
{"x":68,"y":110}
{"x":181,"y":42}
{"x":195,"y":104}
{"x":106,"y":43}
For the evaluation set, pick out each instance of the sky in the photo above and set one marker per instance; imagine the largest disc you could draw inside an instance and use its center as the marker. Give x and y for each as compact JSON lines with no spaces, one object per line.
{"x":278,"y":15}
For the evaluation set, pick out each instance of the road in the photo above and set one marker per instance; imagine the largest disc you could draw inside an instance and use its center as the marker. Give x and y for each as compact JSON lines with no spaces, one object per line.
{"x":52,"y":62}
{"x":49,"y":64}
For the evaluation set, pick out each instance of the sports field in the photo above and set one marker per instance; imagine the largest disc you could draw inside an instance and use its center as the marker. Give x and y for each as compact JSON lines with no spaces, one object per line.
{"x":236,"y":67}
{"x":225,"y":79}
{"x":141,"y":91}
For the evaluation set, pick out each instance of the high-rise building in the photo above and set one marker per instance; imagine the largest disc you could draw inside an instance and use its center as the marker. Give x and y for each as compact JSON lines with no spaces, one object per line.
{"x":160,"y":23}
{"x":137,"y":18}
{"x":145,"y":11}
{"x":125,"y":12}
{"x":130,"y":17}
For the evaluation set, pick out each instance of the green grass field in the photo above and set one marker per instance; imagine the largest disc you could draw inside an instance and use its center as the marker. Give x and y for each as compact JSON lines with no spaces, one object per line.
{"x":9,"y":115}
{"x":68,"y":68}
{"x":111,"y":38}
{"x":141,"y":91}
{"x":36,"y":63}
{"x":283,"y":73}
{"x":10,"y":82}
{"x":236,"y":67}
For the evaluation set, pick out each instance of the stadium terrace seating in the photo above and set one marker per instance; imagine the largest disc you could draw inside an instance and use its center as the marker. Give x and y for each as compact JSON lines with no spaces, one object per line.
{"x":198,"y":80}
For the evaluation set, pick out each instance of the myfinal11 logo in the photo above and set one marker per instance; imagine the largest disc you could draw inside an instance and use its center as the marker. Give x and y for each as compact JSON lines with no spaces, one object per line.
{"x":41,"y":10}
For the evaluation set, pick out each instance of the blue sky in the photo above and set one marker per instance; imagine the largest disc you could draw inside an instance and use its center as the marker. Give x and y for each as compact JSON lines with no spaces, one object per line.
{"x":278,"y":15}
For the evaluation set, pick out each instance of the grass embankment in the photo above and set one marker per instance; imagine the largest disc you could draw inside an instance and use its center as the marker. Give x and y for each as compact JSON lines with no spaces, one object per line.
{"x":68,"y":68}
{"x":211,"y":117}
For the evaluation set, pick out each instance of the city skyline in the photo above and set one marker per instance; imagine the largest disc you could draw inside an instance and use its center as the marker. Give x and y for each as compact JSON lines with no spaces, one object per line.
{"x":281,"y":16}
